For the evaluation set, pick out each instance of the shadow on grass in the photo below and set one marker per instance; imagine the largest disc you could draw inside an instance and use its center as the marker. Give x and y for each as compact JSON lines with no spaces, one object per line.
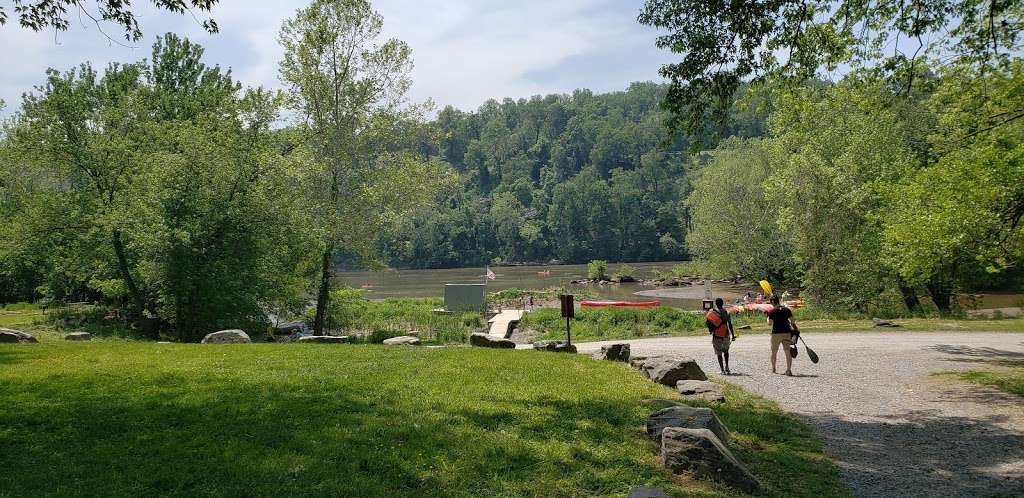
{"x":785,"y":454}
{"x":923,"y":453}
{"x":130,"y":420}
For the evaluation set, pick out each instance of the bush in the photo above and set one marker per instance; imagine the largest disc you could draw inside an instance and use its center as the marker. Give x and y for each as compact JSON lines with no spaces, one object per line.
{"x":351,"y":313}
{"x":597,"y":269}
{"x":613,"y":323}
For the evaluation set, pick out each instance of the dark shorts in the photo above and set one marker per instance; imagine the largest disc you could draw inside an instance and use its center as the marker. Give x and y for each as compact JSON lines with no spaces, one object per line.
{"x":721,"y":344}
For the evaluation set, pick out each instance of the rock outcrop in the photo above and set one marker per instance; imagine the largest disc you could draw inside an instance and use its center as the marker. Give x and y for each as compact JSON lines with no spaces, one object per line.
{"x":11,"y":335}
{"x":670,"y":369}
{"x":554,"y":346}
{"x":613,"y":352}
{"x":700,"y":390}
{"x":325,"y":339}
{"x":78,"y":336}
{"x":231,"y":336}
{"x":402,"y":340}
{"x":699,"y":451}
{"x":686,"y":417}
{"x":489,"y":341}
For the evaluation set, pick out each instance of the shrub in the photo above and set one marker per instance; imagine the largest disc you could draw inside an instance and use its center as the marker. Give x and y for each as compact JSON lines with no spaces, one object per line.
{"x":597,"y":269}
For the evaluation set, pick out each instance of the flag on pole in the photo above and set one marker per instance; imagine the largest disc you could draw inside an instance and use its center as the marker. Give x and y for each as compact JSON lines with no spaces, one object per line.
{"x":490,"y":274}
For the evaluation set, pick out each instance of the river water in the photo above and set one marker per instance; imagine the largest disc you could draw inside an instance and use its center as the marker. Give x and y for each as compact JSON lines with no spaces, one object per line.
{"x":430,"y":283}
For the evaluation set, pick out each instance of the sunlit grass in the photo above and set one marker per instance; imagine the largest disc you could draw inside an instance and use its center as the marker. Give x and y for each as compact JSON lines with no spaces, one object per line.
{"x":119,"y":418}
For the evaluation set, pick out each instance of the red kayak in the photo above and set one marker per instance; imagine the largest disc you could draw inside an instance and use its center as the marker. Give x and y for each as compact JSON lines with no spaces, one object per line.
{"x":629,"y":304}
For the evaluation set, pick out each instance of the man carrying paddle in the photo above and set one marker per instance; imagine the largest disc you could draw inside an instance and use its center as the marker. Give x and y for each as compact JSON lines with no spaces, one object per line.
{"x":719,"y":325}
{"x":781,"y":320}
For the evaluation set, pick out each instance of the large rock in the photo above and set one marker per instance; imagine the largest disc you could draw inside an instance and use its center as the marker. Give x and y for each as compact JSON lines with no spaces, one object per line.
{"x":686,"y":417}
{"x":700,"y":390}
{"x":669,"y":370}
{"x":78,"y":336}
{"x":700,"y":452}
{"x":646,"y":492}
{"x":11,"y":335}
{"x":324,"y":339}
{"x":490,"y":341}
{"x":402,"y":340}
{"x":232,"y":336}
{"x":613,"y":352}
{"x":659,"y":403}
{"x":554,"y":346}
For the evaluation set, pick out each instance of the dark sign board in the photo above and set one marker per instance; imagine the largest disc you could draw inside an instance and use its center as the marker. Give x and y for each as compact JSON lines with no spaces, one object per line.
{"x":568,"y":311}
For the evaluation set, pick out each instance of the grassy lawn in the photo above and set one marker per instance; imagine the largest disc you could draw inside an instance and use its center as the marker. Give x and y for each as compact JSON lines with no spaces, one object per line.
{"x":1010,"y":380}
{"x":120,"y":418}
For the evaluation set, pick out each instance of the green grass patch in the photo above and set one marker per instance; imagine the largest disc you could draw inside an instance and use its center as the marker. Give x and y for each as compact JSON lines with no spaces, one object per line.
{"x":350,"y":312}
{"x":596,"y":324}
{"x":1010,"y":380}
{"x":120,"y":418}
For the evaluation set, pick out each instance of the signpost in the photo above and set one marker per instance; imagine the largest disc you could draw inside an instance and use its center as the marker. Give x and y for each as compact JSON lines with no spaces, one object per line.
{"x":708,"y":302}
{"x":568,"y":312}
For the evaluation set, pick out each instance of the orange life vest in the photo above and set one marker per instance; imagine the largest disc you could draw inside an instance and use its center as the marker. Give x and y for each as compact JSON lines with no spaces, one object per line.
{"x":721,"y":328}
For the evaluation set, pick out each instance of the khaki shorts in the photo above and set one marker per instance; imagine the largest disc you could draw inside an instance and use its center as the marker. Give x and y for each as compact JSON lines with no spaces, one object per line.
{"x":782,"y":339}
{"x":721,"y":344}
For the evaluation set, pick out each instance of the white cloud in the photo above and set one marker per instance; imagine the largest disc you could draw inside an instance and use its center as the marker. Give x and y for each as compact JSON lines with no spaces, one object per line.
{"x":465,"y":51}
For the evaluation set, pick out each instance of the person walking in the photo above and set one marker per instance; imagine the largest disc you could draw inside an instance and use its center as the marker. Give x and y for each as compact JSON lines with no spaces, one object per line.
{"x":720,"y":327}
{"x":783,"y":326}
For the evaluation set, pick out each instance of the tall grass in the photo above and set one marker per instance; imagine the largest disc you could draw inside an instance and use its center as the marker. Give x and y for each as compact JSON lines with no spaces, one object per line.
{"x":614,"y":323}
{"x":377,"y":320}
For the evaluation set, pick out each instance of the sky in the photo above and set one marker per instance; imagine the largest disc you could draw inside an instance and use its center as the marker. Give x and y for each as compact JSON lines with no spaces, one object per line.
{"x":465,"y":51}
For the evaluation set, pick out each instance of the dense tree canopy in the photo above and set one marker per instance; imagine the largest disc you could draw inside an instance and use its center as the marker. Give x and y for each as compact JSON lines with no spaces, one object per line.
{"x":727,"y":44}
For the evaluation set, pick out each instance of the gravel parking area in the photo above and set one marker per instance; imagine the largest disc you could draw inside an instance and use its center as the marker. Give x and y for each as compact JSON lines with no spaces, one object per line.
{"x":893,"y":429}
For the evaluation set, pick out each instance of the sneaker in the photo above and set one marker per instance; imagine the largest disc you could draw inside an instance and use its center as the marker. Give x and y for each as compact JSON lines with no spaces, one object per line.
{"x":789,"y":374}
{"x":727,"y":372}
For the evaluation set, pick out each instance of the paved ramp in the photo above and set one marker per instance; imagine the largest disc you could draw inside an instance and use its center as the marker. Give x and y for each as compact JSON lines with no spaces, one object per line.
{"x":501,"y":324}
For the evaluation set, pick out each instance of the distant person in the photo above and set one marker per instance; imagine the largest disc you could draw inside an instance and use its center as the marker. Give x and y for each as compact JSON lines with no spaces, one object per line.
{"x":719,"y":325}
{"x":531,"y":301}
{"x":783,"y":329}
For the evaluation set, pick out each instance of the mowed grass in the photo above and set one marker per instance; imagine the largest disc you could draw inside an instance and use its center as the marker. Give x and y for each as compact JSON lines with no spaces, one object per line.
{"x":1010,"y":380}
{"x":120,"y":418}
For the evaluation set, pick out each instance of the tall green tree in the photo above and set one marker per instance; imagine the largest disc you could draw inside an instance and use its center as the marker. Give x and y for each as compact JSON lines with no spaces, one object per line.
{"x":349,"y":87}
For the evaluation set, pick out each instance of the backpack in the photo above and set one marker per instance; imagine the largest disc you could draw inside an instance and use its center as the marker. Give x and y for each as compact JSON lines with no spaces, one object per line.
{"x":716,"y":325}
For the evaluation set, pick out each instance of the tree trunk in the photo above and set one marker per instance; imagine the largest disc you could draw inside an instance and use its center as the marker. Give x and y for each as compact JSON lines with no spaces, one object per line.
{"x":148,"y":326}
{"x":910,"y":298}
{"x":324,"y":295}
{"x":941,"y":295}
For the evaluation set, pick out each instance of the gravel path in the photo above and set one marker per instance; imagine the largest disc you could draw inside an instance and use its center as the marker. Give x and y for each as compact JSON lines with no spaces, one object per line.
{"x":892,"y":429}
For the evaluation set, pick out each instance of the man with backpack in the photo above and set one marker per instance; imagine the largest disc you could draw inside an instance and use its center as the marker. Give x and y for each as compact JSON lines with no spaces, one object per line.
{"x":784,"y":333}
{"x":719,"y":325}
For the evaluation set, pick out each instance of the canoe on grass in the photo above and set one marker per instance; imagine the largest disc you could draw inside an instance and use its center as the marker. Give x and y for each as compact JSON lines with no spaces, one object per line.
{"x":624,"y":304}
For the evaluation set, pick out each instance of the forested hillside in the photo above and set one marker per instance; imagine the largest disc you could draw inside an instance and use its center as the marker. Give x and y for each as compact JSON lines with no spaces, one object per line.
{"x":566,"y":177}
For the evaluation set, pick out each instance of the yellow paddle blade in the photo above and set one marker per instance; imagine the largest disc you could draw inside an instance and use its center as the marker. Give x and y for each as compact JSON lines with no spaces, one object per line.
{"x":766,"y":287}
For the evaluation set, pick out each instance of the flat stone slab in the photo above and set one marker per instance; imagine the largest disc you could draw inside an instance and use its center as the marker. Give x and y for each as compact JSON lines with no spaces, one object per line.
{"x":687,"y":417}
{"x":402,"y":340}
{"x":78,"y":336}
{"x":700,"y":452}
{"x":700,"y":390}
{"x":11,"y":335}
{"x":646,"y":492}
{"x":489,"y":341}
{"x":231,"y":336}
{"x":554,"y":346}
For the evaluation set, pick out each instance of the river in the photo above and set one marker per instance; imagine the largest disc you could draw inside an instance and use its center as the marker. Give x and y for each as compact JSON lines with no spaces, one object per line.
{"x":430,"y":283}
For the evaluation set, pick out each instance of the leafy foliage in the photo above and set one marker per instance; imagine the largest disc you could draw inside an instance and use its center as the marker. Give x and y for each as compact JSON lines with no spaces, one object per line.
{"x":726,"y":44}
{"x":38,"y":15}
